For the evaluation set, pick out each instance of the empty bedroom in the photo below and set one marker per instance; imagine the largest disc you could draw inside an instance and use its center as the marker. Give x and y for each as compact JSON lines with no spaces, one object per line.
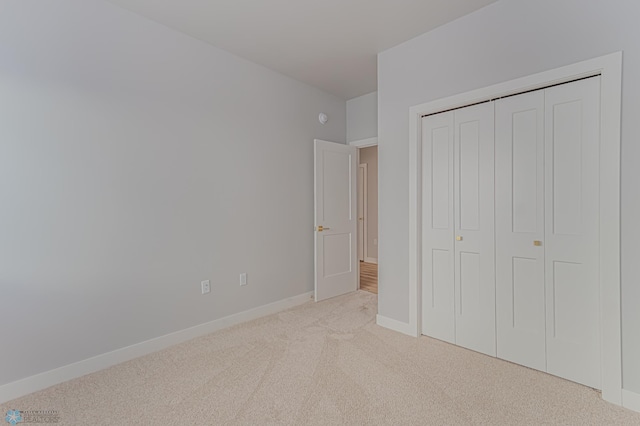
{"x":319,"y":213}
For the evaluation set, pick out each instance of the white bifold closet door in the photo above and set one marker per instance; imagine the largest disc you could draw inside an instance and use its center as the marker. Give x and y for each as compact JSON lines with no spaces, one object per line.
{"x":474,"y":228}
{"x":547,"y":246}
{"x":438,"y":295}
{"x":572,"y":205}
{"x":520,"y":290}
{"x":458,"y":283}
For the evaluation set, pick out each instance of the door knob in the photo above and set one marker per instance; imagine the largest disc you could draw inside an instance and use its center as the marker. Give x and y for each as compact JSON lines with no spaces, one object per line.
{"x":321,"y":228}
{"x":458,"y":237}
{"x":360,"y":218}
{"x":537,"y":243}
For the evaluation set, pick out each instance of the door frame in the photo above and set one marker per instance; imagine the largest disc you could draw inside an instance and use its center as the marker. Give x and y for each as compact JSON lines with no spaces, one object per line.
{"x":364,"y":143}
{"x":365,"y":209}
{"x":609,"y":67}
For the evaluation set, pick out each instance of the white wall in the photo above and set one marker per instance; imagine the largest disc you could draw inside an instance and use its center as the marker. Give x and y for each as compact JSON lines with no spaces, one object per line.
{"x":506,"y":40}
{"x":369,"y":156}
{"x":134,"y":163}
{"x":362,"y":117}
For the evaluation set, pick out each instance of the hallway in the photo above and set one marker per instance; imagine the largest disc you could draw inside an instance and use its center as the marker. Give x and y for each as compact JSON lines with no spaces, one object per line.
{"x":369,"y":277}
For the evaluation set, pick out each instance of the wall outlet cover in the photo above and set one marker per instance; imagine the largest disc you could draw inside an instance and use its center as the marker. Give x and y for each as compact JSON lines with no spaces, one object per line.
{"x":205,"y":286}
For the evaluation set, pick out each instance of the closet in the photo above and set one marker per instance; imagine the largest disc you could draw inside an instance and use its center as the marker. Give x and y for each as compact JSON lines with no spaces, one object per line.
{"x":510,"y":225}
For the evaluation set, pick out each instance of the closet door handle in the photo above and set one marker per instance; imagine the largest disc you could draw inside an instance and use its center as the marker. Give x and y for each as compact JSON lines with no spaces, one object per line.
{"x":458,"y":237}
{"x":537,"y":243}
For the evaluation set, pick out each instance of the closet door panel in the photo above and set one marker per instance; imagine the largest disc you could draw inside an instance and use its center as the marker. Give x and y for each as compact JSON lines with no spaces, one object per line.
{"x":520,"y":286}
{"x":474,"y":228}
{"x":469,"y":174}
{"x":572,"y":115}
{"x":438,"y":315}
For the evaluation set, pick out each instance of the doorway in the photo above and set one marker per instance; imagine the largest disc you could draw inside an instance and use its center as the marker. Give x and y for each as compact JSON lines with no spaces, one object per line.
{"x":368,"y":218}
{"x":345,"y":247}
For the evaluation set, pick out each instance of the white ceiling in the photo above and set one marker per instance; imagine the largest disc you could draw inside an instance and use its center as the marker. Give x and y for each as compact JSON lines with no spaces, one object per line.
{"x":330,"y":44}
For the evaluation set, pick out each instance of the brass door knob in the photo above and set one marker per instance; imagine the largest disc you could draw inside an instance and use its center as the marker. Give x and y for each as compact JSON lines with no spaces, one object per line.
{"x":537,"y":243}
{"x":321,"y":228}
{"x":458,"y":237}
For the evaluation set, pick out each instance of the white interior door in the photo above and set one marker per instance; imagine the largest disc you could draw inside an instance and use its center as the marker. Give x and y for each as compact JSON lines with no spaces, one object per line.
{"x":572,"y":140}
{"x":474,"y":228}
{"x":438,"y":297}
{"x":520,"y":294}
{"x":336,"y":258}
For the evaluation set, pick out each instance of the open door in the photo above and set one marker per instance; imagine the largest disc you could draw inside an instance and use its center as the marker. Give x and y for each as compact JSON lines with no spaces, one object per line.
{"x":336,"y":219}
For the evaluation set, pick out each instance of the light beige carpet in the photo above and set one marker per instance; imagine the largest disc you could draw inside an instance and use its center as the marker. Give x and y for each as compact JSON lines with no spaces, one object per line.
{"x":321,"y":364}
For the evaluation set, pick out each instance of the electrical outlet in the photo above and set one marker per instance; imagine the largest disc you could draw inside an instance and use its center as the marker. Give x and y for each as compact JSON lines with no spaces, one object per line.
{"x":206,"y":287}
{"x":243,"y":278}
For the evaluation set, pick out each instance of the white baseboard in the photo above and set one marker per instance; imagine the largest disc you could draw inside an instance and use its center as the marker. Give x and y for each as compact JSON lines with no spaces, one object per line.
{"x":631,"y":400}
{"x":62,"y":374}
{"x":371,"y":260}
{"x":395,"y":325}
